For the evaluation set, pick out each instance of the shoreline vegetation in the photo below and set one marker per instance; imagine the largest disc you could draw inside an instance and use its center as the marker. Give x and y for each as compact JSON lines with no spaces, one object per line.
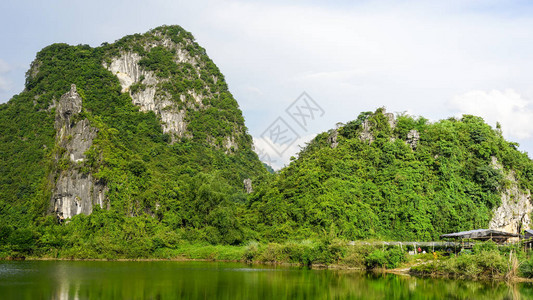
{"x":485,"y":261}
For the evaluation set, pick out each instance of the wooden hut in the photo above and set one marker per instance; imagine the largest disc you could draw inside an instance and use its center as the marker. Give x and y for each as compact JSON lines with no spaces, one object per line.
{"x":527,"y":239}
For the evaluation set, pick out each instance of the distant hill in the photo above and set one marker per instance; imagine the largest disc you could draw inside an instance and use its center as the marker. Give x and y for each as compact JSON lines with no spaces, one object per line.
{"x":269,"y":168}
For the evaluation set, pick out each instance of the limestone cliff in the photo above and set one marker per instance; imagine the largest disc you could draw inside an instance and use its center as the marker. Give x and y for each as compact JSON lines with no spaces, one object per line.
{"x":368,"y":125}
{"x":74,"y":192}
{"x":168,"y":73}
{"x":413,"y":136}
{"x":126,"y":68}
{"x":513,"y":215}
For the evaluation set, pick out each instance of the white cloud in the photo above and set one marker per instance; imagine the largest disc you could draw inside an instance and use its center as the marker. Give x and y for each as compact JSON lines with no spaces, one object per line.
{"x":514,"y":113}
{"x":269,"y":152}
{"x":357,"y":57}
{"x":4,"y":67}
{"x":5,"y":84}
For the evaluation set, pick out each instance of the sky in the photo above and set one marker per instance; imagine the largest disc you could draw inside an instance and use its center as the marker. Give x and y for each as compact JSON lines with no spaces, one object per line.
{"x":297,"y":68}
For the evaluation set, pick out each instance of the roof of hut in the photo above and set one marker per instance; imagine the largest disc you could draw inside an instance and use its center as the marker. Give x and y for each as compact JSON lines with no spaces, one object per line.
{"x":480,"y":234}
{"x":528,"y":232}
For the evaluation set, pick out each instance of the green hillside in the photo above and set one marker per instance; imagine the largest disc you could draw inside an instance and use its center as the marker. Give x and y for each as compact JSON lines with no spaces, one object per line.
{"x":385,"y":188}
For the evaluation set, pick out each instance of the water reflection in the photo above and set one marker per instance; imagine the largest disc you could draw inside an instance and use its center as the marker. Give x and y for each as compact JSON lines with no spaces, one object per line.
{"x":202,"y":280}
{"x":68,"y":286}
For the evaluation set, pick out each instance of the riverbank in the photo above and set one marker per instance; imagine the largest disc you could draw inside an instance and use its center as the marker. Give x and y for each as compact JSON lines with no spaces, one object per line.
{"x":404,"y":270}
{"x":229,"y":280}
{"x":484,"y":261}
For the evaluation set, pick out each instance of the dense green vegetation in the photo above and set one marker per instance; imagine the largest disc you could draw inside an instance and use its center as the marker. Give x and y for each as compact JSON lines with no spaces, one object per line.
{"x":172,"y":195}
{"x":385,"y":189}
{"x":484,"y":260}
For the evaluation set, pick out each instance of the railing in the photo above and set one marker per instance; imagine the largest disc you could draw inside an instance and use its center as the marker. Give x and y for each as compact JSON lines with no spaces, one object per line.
{"x":414,"y":244}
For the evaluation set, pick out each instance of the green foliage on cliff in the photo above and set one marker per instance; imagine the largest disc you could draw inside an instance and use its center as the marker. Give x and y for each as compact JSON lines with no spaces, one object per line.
{"x":385,"y":189}
{"x":191,"y":80}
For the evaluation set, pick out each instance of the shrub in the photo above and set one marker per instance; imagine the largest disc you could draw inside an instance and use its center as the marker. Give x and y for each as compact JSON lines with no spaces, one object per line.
{"x":390,"y":258}
{"x":376,"y":259}
{"x":526,"y":268}
{"x":302,"y":252}
{"x":355,"y":255}
{"x":491,"y":262}
{"x":481,"y":264}
{"x":22,"y":240}
{"x":332,"y":251}
{"x":251,"y":251}
{"x":5,"y":232}
{"x":272,"y":253}
{"x":395,"y":257}
{"x":486,"y":246}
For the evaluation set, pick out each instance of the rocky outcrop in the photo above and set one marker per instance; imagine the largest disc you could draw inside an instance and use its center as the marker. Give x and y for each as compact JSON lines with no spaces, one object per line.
{"x":513,"y":215}
{"x":126,"y":68}
{"x":366,"y":127}
{"x":248,"y":185}
{"x":413,"y":136}
{"x":332,"y":139}
{"x":366,"y":133}
{"x":390,"y":119}
{"x":230,"y":144}
{"x":74,"y":192}
{"x":174,"y":96}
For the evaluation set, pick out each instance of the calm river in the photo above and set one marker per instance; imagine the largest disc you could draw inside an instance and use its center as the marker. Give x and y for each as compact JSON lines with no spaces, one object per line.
{"x":213,"y":280}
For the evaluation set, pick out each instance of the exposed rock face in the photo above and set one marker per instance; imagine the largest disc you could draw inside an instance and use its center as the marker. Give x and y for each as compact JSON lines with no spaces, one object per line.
{"x":366,"y":134}
{"x":413,"y":136}
{"x":126,"y":68}
{"x":74,"y":191}
{"x":513,"y":215}
{"x":194,"y":84}
{"x":332,"y":139}
{"x":230,"y":144}
{"x":248,"y":185}
{"x":390,"y":119}
{"x":69,"y":104}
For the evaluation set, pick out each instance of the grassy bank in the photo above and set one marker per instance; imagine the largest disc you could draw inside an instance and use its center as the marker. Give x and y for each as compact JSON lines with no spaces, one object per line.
{"x":302,"y":252}
{"x":484,"y":261}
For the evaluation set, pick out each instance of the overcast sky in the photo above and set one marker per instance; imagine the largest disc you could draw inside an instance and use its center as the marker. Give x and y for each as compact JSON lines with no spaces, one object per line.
{"x":436,"y":60}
